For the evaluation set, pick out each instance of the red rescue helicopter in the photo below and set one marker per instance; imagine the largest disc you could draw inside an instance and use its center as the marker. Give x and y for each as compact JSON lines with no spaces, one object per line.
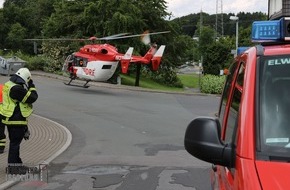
{"x":98,"y":62}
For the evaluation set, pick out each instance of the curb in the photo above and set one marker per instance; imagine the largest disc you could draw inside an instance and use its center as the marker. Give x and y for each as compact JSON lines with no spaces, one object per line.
{"x":114,"y":86}
{"x":9,"y":184}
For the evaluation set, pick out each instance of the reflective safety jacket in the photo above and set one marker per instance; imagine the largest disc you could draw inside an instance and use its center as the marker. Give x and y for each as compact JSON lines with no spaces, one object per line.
{"x":9,"y":105}
{"x":1,"y":88}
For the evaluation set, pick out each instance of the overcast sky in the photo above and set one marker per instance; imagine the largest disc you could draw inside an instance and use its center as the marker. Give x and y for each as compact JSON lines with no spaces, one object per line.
{"x":184,"y":7}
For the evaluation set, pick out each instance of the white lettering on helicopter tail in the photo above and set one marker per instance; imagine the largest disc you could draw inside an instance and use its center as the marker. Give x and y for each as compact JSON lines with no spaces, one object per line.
{"x":118,"y":57}
{"x":281,"y":61}
{"x":88,"y":71}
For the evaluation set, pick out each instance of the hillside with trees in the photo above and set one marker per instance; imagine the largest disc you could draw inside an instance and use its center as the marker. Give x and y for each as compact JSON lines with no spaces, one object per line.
{"x":26,"y":19}
{"x":213,"y":48}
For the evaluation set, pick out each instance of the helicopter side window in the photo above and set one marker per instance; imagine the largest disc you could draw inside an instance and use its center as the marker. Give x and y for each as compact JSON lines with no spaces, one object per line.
{"x":81,"y":62}
{"x":104,"y":51}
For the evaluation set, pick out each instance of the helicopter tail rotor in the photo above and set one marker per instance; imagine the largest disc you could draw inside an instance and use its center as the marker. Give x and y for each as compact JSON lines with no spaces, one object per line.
{"x":145,"y":38}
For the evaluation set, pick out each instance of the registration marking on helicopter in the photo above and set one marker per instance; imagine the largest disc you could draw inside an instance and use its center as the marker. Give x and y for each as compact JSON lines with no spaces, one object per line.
{"x":90,"y":72}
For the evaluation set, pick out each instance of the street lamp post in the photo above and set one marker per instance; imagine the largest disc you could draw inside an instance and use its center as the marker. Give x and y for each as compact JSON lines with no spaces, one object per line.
{"x":235,"y":18}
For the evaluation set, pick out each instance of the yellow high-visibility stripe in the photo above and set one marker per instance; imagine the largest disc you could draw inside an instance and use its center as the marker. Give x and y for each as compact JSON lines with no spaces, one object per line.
{"x":7,"y":122}
{"x":26,"y":96}
{"x":32,"y":88}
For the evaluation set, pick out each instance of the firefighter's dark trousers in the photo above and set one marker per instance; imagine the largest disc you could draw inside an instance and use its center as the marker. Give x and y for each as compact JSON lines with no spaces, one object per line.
{"x":2,"y":137}
{"x":16,"y":134}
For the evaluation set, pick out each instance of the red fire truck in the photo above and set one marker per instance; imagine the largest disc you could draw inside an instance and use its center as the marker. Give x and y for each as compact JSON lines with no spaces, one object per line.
{"x":248,"y":142}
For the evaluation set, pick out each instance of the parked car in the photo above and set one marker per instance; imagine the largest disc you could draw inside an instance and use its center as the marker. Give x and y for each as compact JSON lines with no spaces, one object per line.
{"x":248,"y":142}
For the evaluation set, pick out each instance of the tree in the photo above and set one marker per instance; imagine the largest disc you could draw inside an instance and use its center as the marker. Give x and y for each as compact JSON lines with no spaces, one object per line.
{"x":29,"y":14}
{"x":182,"y":48}
{"x":4,"y":27}
{"x":206,"y":38}
{"x":66,"y":20}
{"x":245,"y":36}
{"x":218,"y":56}
{"x":37,"y":11}
{"x":16,"y":36}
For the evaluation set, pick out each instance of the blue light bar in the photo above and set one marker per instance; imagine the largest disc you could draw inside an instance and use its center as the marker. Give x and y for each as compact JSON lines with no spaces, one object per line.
{"x":242,"y":50}
{"x":270,"y":31}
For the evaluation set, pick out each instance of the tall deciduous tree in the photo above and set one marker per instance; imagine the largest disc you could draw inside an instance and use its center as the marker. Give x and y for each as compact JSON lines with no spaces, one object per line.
{"x":16,"y":36}
{"x":245,"y":36}
{"x":218,"y":56}
{"x":3,"y":30}
{"x":216,"y":53}
{"x":29,"y":14}
{"x":65,"y":21}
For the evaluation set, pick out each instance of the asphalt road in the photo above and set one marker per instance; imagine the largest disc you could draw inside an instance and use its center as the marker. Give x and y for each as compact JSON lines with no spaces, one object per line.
{"x":122,"y":140}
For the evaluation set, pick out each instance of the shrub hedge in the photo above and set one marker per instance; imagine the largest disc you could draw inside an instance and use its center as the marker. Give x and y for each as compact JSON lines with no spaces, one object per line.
{"x":212,"y":84}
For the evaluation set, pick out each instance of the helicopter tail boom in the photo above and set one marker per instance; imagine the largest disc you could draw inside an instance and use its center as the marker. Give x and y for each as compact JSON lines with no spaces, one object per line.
{"x":152,"y":58}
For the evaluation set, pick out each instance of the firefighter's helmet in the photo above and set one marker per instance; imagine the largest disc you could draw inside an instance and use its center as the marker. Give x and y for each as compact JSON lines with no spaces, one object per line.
{"x":24,"y":73}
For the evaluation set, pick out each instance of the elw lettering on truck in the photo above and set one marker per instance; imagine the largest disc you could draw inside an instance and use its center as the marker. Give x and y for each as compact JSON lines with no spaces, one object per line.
{"x":281,"y":61}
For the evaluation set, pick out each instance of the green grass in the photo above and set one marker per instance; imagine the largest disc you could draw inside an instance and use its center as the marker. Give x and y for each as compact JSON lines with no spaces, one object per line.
{"x":188,"y":80}
{"x":147,"y":83}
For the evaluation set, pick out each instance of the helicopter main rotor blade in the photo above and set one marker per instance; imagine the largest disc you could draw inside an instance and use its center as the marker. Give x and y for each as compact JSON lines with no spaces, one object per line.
{"x":112,"y":37}
{"x":136,"y":35}
{"x":54,"y":39}
{"x":77,"y":39}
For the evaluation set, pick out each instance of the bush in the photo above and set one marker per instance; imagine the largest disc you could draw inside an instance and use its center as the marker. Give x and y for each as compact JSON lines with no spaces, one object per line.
{"x":165,"y":75}
{"x":56,"y":52}
{"x":212,"y":84}
{"x":37,"y":63}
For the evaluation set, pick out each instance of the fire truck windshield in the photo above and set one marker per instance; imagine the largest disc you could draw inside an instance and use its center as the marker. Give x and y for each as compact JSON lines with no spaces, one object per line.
{"x":274,"y":105}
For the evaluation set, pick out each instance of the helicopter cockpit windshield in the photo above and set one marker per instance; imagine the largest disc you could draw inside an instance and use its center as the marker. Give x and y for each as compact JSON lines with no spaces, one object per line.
{"x":72,"y":61}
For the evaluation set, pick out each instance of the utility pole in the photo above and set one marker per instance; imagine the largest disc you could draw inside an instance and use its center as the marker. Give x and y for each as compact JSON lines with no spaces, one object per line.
{"x":219,"y":21}
{"x":200,"y":23}
{"x":201,"y":57}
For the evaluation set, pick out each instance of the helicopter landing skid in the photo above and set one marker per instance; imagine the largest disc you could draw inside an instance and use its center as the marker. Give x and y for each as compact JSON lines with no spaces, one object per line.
{"x":84,"y":86}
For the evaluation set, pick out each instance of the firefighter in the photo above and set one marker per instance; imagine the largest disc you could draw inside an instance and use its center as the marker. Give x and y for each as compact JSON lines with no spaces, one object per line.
{"x":18,"y":95}
{"x":2,"y":137}
{"x":2,"y":127}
